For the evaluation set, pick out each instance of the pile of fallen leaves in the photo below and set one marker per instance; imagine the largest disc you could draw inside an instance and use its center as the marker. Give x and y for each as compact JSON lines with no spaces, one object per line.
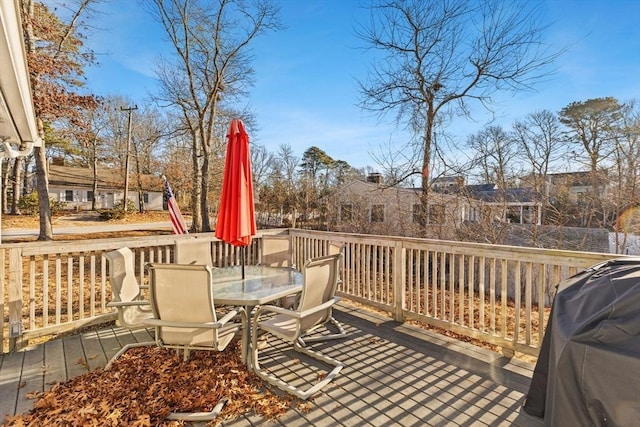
{"x":147,"y":383}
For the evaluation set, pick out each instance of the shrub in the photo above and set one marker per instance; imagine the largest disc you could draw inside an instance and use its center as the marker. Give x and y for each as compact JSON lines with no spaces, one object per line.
{"x":131,"y":207}
{"x":28,"y":204}
{"x":108,"y":214}
{"x":56,"y":207}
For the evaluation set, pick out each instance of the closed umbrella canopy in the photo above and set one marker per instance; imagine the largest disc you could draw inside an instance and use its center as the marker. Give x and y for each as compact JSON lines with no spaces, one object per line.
{"x":236,"y":217}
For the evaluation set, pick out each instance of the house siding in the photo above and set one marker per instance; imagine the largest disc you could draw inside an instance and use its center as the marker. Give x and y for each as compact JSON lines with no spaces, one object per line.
{"x":73,"y":186}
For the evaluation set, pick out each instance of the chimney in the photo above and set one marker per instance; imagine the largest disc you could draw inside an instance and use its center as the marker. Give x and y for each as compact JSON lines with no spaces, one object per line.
{"x":57,"y":161}
{"x":375,"y":178}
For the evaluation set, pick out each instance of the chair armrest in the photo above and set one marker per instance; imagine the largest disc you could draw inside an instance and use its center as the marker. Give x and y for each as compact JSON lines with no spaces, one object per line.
{"x":274,"y":309}
{"x":294,"y":313}
{"x":159,"y":322}
{"x":213,"y":325}
{"x":320,"y":307}
{"x":117,"y":304}
{"x":232,"y":314}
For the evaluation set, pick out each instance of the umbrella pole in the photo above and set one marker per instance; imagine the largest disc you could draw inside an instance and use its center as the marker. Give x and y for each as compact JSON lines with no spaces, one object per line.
{"x":242,"y":253}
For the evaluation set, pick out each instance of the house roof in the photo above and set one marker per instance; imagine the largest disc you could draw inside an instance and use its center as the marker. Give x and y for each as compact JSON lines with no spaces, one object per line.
{"x":108,"y":179}
{"x":518,"y":195}
{"x":362,"y":188}
{"x":480,"y":188}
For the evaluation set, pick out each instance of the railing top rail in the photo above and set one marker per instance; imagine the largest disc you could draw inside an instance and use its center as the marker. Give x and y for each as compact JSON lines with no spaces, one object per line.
{"x":71,"y":246}
{"x":552,"y":256}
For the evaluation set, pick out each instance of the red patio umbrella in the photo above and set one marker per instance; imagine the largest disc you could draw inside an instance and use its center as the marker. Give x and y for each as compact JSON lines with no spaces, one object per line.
{"x":236,"y":217}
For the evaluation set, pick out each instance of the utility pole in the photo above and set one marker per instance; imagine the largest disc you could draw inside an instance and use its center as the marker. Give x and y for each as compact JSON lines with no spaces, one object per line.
{"x":126,"y":160}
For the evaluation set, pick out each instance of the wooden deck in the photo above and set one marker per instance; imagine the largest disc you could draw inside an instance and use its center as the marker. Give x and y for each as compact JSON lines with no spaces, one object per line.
{"x":395,"y":374}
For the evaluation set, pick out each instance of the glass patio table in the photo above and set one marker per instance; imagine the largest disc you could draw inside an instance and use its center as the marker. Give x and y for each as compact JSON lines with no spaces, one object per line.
{"x":261,"y":285}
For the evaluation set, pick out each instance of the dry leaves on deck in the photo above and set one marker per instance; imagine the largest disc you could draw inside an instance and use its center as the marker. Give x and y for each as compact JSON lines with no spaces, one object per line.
{"x":147,"y":383}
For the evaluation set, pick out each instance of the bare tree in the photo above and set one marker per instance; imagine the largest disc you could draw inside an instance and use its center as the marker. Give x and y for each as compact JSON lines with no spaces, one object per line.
{"x":261,"y":164}
{"x":288,"y":166}
{"x":590,"y":125}
{"x":495,"y":154}
{"x":438,"y":57}
{"x":56,"y":65}
{"x":539,"y":145}
{"x":626,"y":174}
{"x":90,"y":140}
{"x":211,"y":67}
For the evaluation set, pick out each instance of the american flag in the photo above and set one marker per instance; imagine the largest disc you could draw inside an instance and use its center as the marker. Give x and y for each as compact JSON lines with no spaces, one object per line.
{"x":177,"y":221}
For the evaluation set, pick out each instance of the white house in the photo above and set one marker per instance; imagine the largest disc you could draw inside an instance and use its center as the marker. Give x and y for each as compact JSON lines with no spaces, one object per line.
{"x":73,"y":186}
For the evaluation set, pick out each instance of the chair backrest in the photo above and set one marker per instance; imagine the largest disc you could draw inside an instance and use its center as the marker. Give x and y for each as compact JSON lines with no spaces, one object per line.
{"x":319,"y":286}
{"x":182,"y":293}
{"x":122,"y":276}
{"x":335,"y":247}
{"x":276,"y":251}
{"x":193,"y":251}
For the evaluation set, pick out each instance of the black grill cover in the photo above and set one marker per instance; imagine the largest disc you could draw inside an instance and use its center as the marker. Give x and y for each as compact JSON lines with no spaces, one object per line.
{"x":588,"y":370}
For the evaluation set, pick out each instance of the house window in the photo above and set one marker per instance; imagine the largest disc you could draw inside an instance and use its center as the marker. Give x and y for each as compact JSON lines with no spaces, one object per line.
{"x":436,"y":214}
{"x":346,"y":213}
{"x":68,"y":195}
{"x":145,"y":197}
{"x":90,"y":196}
{"x":377,"y":213}
{"x":417,"y":214}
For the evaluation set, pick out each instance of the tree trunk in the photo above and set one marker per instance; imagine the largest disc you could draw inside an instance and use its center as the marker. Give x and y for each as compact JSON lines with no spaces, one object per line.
{"x":17,"y":183}
{"x":426,"y":161}
{"x":204,"y":205}
{"x":94,"y":166}
{"x":196,"y":211}
{"x":42,"y":185}
{"x":5,"y":167}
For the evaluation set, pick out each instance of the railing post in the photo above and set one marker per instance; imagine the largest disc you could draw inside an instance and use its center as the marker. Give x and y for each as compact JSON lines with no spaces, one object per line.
{"x":15,"y":297}
{"x":399,"y":281}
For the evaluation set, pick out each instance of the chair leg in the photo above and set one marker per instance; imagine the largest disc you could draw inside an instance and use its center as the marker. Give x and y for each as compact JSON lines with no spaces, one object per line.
{"x":296,"y":391}
{"x":198,"y":416}
{"x":125,"y":348}
{"x":342,"y":333}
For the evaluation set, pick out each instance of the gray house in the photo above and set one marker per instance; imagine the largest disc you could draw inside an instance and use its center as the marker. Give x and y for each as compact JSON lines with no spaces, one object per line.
{"x":371,"y":207}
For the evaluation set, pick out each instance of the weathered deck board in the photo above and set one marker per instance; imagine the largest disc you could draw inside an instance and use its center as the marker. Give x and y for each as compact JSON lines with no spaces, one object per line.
{"x":395,"y":375}
{"x":54,"y":367}
{"x":31,"y":378}
{"x":10,"y":371}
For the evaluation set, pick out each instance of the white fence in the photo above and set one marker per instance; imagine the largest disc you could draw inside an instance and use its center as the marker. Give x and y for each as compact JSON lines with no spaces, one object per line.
{"x":497,"y":294}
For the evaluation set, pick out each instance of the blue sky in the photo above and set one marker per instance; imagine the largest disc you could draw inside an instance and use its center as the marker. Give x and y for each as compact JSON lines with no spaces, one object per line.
{"x":305,"y":91}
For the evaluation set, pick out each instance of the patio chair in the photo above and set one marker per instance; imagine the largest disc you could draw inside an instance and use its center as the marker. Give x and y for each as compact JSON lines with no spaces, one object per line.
{"x":335,"y":248}
{"x":320,"y":275}
{"x":126,"y":295}
{"x":193,"y":251}
{"x":276,"y":252}
{"x":186,"y":318}
{"x":184,"y":311}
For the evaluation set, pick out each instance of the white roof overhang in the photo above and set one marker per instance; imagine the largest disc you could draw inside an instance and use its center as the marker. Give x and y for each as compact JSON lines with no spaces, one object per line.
{"x":17,"y":116}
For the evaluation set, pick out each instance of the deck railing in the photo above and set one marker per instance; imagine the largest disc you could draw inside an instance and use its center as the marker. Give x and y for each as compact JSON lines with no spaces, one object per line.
{"x":496,"y":294}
